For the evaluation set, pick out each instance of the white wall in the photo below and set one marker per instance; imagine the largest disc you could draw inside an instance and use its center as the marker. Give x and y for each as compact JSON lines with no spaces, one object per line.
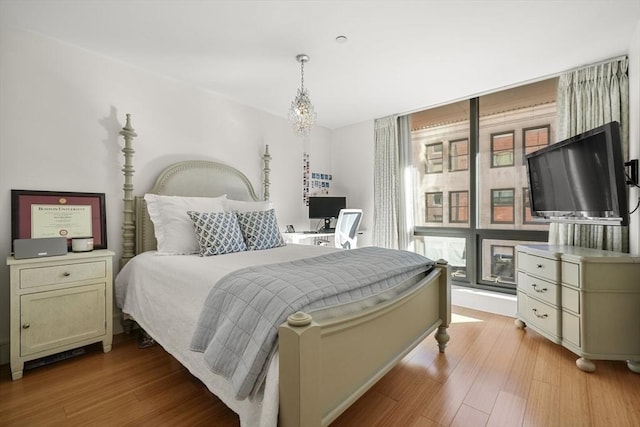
{"x":61,"y":109}
{"x":353,"y":153}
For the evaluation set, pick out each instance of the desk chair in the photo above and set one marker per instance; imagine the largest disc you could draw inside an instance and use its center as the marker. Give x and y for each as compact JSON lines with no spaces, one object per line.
{"x":347,"y":228}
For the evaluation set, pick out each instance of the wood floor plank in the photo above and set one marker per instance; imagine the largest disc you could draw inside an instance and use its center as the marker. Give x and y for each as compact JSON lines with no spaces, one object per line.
{"x":485,"y":389}
{"x":543,"y":405}
{"x":537,"y":384}
{"x":508,"y":411}
{"x":470,"y":417}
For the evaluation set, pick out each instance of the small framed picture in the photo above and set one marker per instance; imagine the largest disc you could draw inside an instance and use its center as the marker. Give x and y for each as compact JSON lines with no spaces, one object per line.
{"x":37,"y":214}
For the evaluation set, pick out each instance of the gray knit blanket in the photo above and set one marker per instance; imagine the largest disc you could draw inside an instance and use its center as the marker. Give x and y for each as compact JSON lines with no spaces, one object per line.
{"x":238,"y":327}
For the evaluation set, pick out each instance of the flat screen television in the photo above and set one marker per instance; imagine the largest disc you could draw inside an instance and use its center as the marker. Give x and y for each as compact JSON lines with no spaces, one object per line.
{"x":580,"y":179}
{"x":326,"y":207}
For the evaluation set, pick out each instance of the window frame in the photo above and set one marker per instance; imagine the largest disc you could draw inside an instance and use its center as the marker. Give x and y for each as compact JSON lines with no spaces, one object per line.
{"x":512,"y":150}
{"x":428,"y":159}
{"x":513,"y":205}
{"x":426,"y":206}
{"x":524,"y":138}
{"x":451,"y":207}
{"x":451,"y":156}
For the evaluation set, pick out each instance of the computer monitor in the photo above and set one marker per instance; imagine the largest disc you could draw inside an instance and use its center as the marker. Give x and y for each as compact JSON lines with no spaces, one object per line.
{"x":326,"y":207}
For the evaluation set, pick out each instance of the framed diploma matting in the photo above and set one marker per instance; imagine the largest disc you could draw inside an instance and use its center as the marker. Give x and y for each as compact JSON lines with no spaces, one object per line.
{"x":37,"y":214}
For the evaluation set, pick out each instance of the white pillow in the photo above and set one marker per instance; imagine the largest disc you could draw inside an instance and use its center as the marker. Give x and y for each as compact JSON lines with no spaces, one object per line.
{"x":243,"y":206}
{"x":173,"y":228}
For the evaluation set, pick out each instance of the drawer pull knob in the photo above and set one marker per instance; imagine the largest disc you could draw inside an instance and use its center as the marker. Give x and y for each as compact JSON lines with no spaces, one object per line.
{"x":66,"y":274}
{"x":535,"y":288}
{"x":538,"y":265}
{"x":541,"y":316}
{"x":26,"y":325}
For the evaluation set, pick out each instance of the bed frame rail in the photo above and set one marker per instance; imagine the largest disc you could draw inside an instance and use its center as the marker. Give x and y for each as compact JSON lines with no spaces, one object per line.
{"x":325,"y":367}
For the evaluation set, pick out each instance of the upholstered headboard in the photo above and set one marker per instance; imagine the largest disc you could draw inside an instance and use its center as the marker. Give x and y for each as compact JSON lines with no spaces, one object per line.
{"x":201,"y":178}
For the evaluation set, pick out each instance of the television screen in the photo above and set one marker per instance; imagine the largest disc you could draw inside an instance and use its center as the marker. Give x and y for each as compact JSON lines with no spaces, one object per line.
{"x":326,"y":207}
{"x":580,"y":179}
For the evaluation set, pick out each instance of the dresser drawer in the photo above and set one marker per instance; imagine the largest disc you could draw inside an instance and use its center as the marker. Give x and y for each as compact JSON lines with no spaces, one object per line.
{"x":571,"y":328}
{"x":60,"y":274}
{"x":538,"y":288}
{"x":570,"y":299}
{"x":539,"y":266}
{"x":571,"y":274}
{"x":539,"y":314}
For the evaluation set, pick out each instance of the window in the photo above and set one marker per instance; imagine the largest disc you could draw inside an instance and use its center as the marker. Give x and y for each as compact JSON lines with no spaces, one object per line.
{"x":459,"y":155}
{"x":433,"y":207}
{"x":459,"y":206}
{"x":502,"y":149}
{"x":502,"y":263}
{"x":478,"y":200}
{"x":433,"y":154}
{"x":502,"y":207}
{"x":535,"y":138}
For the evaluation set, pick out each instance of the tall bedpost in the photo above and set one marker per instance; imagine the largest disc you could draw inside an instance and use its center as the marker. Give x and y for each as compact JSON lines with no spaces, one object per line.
{"x":266,"y":158}
{"x":128,"y":226}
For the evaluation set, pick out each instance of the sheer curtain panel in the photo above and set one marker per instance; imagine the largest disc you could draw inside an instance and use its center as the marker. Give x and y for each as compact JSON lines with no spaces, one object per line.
{"x":588,"y":98}
{"x":385,"y":183}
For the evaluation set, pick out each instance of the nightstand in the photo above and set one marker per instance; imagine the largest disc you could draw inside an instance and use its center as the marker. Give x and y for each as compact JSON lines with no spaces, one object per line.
{"x":59,"y":303}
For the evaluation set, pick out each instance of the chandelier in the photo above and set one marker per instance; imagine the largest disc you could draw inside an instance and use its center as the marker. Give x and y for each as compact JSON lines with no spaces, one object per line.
{"x":302,"y":114}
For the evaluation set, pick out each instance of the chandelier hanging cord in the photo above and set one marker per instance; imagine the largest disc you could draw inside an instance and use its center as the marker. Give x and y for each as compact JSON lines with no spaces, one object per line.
{"x":302,"y":58}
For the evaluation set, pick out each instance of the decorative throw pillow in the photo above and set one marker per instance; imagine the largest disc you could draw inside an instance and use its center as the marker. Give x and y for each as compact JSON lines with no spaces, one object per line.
{"x":217,"y":232}
{"x":260,"y":229}
{"x":245,"y":206}
{"x":172,"y":226}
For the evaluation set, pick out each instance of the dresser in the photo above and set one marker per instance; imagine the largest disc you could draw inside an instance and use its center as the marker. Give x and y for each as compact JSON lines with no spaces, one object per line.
{"x":586,"y":300}
{"x":59,"y":303}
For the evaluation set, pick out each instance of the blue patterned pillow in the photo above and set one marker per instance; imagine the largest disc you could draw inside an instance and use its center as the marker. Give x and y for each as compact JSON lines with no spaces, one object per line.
{"x":218,"y":232}
{"x":260,"y":229}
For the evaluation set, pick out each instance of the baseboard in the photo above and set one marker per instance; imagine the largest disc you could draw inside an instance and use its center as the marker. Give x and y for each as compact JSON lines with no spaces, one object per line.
{"x":478,"y":299}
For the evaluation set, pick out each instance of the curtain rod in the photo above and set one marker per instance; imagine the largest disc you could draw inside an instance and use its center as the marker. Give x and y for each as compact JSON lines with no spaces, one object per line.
{"x":536,"y":80}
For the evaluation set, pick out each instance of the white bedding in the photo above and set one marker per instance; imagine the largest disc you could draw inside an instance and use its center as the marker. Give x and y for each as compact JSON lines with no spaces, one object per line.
{"x":164,"y":294}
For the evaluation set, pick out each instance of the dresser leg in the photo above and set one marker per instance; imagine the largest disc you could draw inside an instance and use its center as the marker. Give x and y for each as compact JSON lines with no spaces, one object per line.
{"x":442,"y":337}
{"x":585,"y":365}
{"x":520,"y":324}
{"x":16,"y":370}
{"x":634,"y":366}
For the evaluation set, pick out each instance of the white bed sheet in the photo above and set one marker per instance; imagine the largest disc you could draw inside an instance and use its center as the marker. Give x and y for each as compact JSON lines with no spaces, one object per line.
{"x":164,"y":294}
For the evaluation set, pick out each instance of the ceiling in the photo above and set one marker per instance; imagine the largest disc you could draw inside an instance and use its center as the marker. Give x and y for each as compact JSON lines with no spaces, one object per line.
{"x":401,"y":56}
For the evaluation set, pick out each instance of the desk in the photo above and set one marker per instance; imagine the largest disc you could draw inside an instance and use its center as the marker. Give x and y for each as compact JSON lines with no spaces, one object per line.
{"x":305,"y":238}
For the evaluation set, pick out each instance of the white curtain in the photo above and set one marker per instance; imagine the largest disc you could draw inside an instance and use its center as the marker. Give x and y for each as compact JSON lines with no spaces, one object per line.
{"x":385,"y":183}
{"x":588,"y":98}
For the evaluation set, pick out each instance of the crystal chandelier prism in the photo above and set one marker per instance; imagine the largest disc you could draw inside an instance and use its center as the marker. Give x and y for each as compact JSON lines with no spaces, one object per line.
{"x":301,"y":113}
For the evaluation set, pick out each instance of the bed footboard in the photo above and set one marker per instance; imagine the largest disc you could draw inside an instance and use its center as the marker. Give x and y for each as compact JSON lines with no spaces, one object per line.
{"x":326,"y":366}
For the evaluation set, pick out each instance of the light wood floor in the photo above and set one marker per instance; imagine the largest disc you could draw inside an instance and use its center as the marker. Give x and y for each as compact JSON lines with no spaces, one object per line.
{"x":492,"y":374}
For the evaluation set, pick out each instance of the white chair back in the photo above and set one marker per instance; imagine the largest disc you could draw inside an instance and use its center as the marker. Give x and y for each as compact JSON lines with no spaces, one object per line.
{"x":346,"y":233}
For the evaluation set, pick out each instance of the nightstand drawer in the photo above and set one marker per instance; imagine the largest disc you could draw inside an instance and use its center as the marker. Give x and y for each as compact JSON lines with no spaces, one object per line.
{"x":538,"y":266}
{"x":538,"y":288}
{"x":66,"y":273}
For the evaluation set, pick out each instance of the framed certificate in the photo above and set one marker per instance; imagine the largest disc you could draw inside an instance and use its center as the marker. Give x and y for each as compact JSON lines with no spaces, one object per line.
{"x":37,"y":214}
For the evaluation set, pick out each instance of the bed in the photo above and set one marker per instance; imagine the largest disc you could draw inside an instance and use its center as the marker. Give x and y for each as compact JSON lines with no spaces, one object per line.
{"x":325,"y":359}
